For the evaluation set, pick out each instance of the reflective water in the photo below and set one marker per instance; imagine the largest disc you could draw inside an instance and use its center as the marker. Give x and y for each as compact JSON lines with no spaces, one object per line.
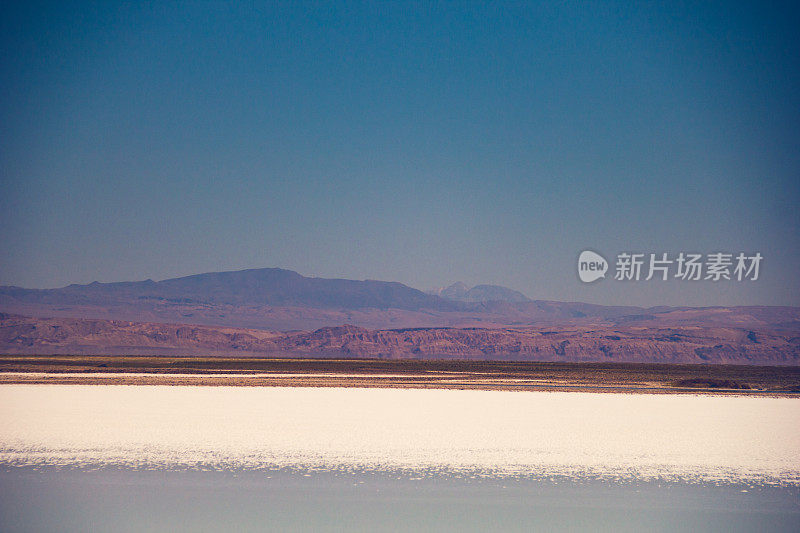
{"x":186,"y":500}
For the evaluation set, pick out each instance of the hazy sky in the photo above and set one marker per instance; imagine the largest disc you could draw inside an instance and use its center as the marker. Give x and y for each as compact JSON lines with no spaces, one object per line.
{"x":417,"y":143}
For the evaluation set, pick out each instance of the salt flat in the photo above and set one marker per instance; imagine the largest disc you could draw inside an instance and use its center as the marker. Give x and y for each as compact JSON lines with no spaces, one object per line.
{"x":680,"y":437}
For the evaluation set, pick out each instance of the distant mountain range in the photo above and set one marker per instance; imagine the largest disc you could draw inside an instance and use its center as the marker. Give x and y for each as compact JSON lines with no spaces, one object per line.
{"x":480,"y":293}
{"x":277,"y":299}
{"x":264,"y":286}
{"x":273,"y":311}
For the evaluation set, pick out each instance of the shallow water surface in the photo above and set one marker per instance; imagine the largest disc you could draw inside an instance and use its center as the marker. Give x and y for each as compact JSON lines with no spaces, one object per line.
{"x":187,"y":500}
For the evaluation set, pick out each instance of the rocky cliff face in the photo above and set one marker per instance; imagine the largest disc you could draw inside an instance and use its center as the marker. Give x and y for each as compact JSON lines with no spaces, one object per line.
{"x":675,"y":344}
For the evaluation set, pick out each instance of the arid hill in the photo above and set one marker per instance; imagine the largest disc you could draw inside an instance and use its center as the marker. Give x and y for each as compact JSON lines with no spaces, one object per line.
{"x":611,"y":343}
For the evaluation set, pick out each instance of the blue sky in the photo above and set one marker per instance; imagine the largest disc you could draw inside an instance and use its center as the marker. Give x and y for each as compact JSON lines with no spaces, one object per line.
{"x":423,"y":143}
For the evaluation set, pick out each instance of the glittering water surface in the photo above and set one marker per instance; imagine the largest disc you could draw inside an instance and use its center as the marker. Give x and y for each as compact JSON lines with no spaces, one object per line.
{"x":131,"y":458}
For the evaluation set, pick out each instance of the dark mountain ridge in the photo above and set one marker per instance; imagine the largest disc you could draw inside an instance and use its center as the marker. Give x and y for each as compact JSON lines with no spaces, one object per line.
{"x":264,"y":286}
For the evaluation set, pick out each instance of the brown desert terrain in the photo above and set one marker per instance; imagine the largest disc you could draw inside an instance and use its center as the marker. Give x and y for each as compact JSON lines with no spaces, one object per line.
{"x":576,"y":343}
{"x":484,"y":375}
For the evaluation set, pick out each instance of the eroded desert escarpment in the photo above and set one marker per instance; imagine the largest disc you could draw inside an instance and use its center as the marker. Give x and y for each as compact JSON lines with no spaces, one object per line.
{"x":674,"y":343}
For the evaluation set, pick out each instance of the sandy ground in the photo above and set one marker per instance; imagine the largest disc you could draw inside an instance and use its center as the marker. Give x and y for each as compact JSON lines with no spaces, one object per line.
{"x":480,"y":375}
